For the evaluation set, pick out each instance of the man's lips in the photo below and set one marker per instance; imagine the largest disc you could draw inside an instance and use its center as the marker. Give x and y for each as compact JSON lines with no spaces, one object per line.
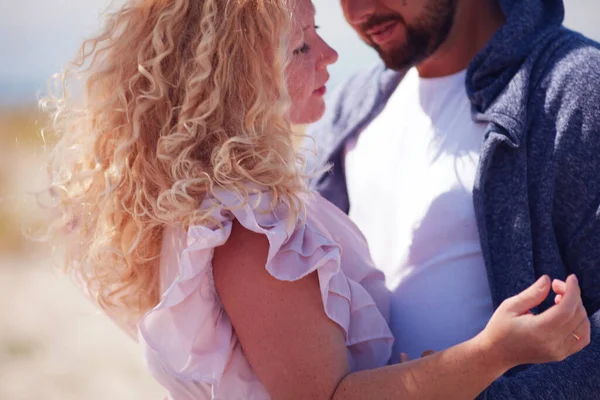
{"x":381,"y":33}
{"x":379,"y":27}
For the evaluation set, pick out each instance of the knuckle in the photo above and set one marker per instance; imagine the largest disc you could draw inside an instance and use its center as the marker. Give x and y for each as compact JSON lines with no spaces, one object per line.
{"x":506,"y":306}
{"x":507,"y":303}
{"x":571,"y":307}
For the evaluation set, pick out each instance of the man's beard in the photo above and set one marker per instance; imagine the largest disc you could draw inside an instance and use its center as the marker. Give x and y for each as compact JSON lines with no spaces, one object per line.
{"x":423,"y":37}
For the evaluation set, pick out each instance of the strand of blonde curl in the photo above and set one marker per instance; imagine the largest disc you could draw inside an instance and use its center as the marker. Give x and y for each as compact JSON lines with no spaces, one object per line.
{"x":180,"y":97}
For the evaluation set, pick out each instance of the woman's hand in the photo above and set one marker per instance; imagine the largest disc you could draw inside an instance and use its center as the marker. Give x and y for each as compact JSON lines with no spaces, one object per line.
{"x":516,"y":336}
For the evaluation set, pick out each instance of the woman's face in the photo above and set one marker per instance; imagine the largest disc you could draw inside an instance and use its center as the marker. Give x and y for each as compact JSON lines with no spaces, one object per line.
{"x":307,"y":70}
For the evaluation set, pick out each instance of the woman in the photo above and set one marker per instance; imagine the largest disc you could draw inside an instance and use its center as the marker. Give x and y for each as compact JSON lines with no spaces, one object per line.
{"x":187,"y":217}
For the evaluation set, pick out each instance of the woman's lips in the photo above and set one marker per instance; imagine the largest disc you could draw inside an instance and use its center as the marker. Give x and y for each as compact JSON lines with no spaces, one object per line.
{"x":321,"y":91}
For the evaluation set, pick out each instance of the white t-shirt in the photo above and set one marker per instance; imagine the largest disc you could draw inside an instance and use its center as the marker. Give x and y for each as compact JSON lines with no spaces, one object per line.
{"x":410,"y":178}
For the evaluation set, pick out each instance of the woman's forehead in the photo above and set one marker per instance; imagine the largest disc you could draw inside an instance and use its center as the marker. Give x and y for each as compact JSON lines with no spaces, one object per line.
{"x":304,"y":10}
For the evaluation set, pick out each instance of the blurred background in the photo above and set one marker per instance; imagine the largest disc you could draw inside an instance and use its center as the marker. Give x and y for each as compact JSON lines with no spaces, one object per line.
{"x":53,"y":343}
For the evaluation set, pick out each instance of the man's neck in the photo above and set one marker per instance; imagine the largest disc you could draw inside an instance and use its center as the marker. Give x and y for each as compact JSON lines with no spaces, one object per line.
{"x":476,"y":21}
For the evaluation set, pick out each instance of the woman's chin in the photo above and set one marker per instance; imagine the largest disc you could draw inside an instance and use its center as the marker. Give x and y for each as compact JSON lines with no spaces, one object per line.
{"x":310,"y":114}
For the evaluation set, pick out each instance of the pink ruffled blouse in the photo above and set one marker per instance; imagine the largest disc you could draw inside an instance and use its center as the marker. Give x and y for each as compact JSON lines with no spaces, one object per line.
{"x":190,"y":345}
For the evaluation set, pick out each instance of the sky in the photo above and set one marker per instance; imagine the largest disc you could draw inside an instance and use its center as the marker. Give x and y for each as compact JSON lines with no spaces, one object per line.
{"x":37,"y":37}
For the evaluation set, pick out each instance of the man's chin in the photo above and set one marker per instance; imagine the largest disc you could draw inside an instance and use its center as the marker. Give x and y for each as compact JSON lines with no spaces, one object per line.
{"x":392,"y":56}
{"x":395,"y":61}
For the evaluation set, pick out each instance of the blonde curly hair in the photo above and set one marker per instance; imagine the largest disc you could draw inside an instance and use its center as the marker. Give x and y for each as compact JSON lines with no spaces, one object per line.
{"x":181,"y":97}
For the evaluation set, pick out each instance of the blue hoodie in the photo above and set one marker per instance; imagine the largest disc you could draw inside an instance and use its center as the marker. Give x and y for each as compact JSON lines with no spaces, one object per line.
{"x":537,"y":190}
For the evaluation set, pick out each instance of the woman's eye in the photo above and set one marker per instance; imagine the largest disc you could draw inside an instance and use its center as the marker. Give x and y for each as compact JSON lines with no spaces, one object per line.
{"x":302,"y":49}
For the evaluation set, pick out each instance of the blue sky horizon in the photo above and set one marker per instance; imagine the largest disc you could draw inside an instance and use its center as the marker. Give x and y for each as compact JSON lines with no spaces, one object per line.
{"x":46,"y":34}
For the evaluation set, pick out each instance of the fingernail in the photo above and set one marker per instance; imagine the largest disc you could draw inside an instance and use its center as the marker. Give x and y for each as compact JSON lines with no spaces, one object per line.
{"x":575,"y":277}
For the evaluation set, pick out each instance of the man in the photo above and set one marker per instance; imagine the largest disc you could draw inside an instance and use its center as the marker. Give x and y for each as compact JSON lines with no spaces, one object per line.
{"x":470,"y":159}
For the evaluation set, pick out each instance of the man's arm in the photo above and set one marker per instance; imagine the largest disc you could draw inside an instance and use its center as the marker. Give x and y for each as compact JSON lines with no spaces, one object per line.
{"x":572,"y":93}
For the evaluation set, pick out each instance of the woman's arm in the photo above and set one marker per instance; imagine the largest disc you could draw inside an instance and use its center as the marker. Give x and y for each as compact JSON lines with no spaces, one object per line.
{"x":299,"y":353}
{"x":460,"y":372}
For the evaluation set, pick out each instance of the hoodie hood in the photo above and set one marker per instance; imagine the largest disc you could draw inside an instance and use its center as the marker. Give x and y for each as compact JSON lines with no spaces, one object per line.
{"x":527,"y":22}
